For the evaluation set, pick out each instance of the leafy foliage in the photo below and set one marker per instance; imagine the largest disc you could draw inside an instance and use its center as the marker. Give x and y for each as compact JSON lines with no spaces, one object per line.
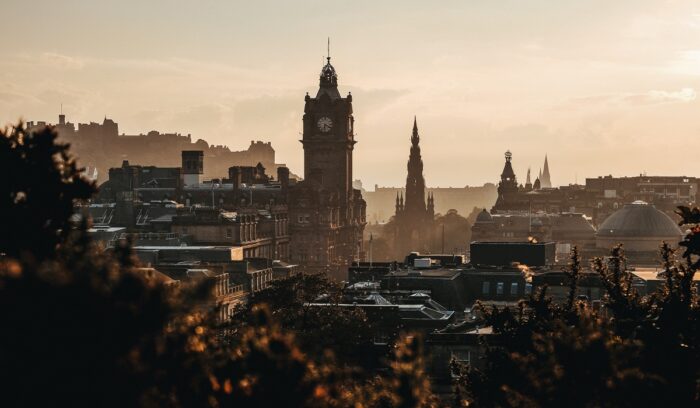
{"x":637,"y":351}
{"x":346,"y":331}
{"x":39,"y":182}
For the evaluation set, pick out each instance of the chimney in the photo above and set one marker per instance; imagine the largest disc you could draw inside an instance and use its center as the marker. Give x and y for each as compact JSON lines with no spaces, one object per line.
{"x":192,"y":167}
{"x":283,"y":178}
{"x":234,"y":175}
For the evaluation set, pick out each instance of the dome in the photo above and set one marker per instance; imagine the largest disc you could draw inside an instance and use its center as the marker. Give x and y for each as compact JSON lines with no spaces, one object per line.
{"x":639,"y":219}
{"x":639,"y":227}
{"x":484,"y":216}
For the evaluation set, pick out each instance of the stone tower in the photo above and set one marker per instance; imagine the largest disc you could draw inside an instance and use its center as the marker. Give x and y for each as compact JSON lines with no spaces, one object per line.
{"x":414,"y":218}
{"x":507,"y":187}
{"x":327,"y":215}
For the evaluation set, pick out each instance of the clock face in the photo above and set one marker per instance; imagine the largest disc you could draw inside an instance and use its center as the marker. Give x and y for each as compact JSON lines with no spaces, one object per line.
{"x":325,"y":124}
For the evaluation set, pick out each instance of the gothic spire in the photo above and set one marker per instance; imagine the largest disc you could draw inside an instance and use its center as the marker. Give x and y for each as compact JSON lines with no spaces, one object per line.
{"x":545,"y":179}
{"x":415,"y":183}
{"x":527,"y":179}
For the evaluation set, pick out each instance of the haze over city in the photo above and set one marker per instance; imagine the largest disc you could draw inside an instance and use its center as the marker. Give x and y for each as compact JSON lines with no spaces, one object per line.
{"x":596,"y":85}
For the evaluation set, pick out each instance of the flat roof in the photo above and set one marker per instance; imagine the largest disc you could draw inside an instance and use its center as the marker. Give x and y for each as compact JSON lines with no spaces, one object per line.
{"x":424,"y":273}
{"x":181,"y":248}
{"x":651,"y":274}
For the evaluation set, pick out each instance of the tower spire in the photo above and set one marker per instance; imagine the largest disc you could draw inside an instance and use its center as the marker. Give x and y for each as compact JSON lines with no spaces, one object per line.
{"x":527,"y":179}
{"x":546,"y":179}
{"x":415,"y":183}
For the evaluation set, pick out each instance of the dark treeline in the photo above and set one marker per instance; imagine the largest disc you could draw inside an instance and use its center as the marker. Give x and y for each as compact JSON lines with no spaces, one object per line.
{"x":82,"y":327}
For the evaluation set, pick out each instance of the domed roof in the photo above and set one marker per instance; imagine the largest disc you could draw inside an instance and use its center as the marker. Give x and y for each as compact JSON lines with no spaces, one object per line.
{"x":484,"y":216}
{"x":639,"y":219}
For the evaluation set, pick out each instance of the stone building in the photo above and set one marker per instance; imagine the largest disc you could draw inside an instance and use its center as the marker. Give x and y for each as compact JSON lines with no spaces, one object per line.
{"x":327,"y":215}
{"x":414,"y":220}
{"x":597,"y":199}
{"x":261,"y":233}
{"x":566,"y":229}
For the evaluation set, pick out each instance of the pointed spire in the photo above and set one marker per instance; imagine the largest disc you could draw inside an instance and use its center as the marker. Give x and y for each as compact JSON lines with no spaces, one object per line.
{"x":398,"y":206}
{"x":415,"y":183}
{"x":415,"y":138}
{"x":527,"y":179}
{"x":546,"y":179}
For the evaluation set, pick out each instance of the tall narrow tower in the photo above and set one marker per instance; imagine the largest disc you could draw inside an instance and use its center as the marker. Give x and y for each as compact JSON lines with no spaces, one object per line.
{"x":507,"y":187}
{"x":415,"y":183}
{"x":415,"y":218}
{"x":328,"y":137}
{"x":327,"y":215}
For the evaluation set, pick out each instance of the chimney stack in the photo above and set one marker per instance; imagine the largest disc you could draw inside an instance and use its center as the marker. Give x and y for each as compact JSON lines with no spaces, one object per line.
{"x":192,"y":167}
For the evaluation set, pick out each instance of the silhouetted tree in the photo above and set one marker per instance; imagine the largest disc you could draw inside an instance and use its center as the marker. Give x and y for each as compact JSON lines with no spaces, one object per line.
{"x":39,"y":181}
{"x":638,"y":351}
{"x":345,"y":330}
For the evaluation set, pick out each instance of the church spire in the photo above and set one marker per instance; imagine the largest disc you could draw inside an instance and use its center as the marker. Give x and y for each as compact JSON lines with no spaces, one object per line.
{"x":545,"y":180}
{"x":415,"y":183}
{"x":527,"y":179}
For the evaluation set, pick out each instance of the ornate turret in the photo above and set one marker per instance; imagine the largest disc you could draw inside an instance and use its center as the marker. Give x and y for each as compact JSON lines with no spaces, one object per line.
{"x":508,"y":186}
{"x":328,"y":81}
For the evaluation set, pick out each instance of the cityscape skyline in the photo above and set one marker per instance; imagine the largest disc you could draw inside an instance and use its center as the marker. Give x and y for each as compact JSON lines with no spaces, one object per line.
{"x":534,"y":81}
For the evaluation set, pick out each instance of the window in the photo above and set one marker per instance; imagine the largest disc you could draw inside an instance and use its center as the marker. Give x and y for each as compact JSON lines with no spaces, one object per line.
{"x":499,"y":288}
{"x":528,"y":288}
{"x":486,"y":288}
{"x":514,"y":288}
{"x":461,"y":357}
{"x":229,"y":233}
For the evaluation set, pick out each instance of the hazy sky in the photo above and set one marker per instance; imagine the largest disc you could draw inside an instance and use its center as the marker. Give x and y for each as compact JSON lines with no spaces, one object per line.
{"x":601,"y":86}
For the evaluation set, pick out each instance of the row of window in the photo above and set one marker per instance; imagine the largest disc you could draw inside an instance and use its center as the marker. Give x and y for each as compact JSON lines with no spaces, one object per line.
{"x":500,"y":288}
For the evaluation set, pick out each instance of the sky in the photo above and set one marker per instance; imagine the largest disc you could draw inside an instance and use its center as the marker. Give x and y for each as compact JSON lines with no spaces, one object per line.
{"x":601,"y":87}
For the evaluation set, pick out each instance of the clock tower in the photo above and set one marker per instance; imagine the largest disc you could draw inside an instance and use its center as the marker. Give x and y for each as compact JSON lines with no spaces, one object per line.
{"x":328,"y":137}
{"x":327,"y":216}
